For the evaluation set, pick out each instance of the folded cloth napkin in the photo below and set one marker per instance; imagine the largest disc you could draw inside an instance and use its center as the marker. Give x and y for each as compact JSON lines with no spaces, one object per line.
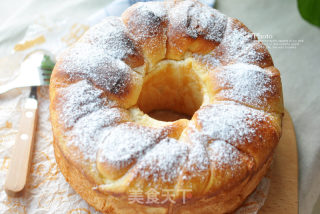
{"x":117,"y":7}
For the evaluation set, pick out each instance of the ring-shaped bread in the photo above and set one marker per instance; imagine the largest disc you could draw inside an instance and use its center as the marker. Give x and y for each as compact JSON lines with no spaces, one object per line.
{"x":175,"y":55}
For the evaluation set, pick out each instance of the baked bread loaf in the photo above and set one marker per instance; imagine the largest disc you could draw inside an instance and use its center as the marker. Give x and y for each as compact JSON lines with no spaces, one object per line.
{"x":179,"y":56}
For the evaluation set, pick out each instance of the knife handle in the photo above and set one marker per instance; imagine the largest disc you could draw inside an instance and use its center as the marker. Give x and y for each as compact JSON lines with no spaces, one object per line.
{"x":21,"y":155}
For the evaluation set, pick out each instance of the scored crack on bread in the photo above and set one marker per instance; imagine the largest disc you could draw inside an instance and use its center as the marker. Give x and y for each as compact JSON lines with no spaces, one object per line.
{"x":180,"y":56}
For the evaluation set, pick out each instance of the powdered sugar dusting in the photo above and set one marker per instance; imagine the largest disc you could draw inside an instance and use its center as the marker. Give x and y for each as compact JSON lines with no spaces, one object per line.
{"x":147,"y":20}
{"x":229,"y":122}
{"x":127,"y":142}
{"x":97,"y":61}
{"x":86,"y":114}
{"x":112,"y":37}
{"x":240,"y":46}
{"x":79,"y":99}
{"x":98,"y":57}
{"x":245,"y":83}
{"x":198,"y":160}
{"x":84,"y":61}
{"x":88,"y":132}
{"x":208,"y":60}
{"x":237,"y":46}
{"x":222,"y":154}
{"x":163,"y":161}
{"x":196,"y":19}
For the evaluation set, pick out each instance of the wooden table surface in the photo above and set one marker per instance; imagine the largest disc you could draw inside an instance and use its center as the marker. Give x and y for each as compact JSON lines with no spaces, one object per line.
{"x":283,"y":193}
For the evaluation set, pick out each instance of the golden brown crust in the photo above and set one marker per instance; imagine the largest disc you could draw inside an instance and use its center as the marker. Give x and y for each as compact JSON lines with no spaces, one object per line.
{"x":148,"y":29}
{"x":189,"y":32}
{"x":180,"y":56}
{"x":258,"y":54}
{"x":224,"y":202}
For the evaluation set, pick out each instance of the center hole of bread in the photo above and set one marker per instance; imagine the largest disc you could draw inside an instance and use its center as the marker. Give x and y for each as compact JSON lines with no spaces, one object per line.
{"x":171,"y":91}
